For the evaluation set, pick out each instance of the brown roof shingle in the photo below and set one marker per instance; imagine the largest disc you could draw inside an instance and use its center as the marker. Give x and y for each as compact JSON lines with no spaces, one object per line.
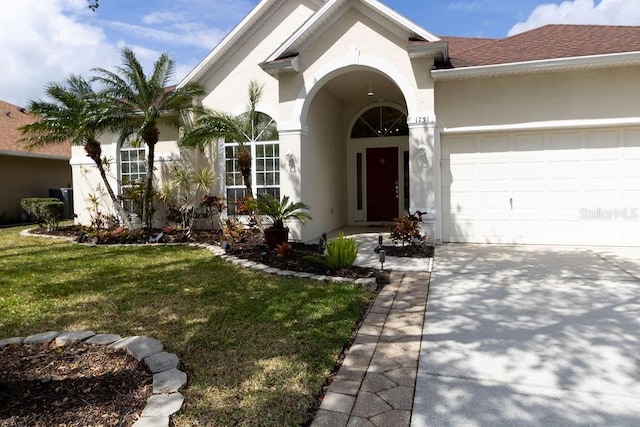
{"x":12,"y":118}
{"x":548,"y":42}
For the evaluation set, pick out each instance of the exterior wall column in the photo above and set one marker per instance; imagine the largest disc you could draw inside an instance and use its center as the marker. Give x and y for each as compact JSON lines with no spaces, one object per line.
{"x":423,"y":168}
{"x":290,"y":172}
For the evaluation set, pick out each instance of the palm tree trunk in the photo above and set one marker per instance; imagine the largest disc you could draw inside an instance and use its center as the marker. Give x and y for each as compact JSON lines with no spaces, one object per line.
{"x":147,"y":203}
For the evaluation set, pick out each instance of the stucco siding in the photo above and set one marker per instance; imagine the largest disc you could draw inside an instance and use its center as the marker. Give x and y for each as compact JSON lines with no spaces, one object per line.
{"x":29,"y":177}
{"x":323,"y":166}
{"x":227,"y":86}
{"x":576,"y":95}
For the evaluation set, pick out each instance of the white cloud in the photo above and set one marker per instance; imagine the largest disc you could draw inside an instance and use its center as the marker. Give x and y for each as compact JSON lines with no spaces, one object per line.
{"x":606,"y":12}
{"x":44,"y":41}
{"x":163,"y":18}
{"x":192,"y":34}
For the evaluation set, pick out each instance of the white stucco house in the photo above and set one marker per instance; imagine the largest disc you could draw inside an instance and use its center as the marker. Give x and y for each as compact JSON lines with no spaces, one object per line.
{"x":533,"y":138}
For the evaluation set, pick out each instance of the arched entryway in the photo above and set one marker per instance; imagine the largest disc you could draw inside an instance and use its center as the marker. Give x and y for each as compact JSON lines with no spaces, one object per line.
{"x":354,"y":117}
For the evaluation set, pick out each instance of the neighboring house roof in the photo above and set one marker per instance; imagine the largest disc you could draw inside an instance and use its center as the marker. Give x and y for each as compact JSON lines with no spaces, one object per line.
{"x":548,"y":42}
{"x":12,"y":118}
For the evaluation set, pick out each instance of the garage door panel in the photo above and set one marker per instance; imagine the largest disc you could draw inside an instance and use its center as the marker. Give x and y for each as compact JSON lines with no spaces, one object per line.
{"x":602,"y":140}
{"x":564,"y":141}
{"x":630,"y":170}
{"x":564,"y":170}
{"x":494,"y":171}
{"x":532,"y":172}
{"x":553,"y":178}
{"x":602,"y":169}
{"x":493,"y":145}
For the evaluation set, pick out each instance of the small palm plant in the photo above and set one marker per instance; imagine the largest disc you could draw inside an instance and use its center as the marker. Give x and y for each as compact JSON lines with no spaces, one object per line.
{"x":280,"y":211}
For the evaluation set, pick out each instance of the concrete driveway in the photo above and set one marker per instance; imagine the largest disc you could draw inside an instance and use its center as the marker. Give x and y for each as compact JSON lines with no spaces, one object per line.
{"x":531,"y":336}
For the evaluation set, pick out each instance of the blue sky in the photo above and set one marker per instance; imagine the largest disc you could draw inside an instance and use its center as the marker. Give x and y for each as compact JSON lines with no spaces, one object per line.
{"x":45,"y":40}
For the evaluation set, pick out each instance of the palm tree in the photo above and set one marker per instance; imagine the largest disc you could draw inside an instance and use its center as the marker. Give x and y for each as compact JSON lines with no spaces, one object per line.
{"x":76,"y":114}
{"x":139,"y":101}
{"x":249,"y":127}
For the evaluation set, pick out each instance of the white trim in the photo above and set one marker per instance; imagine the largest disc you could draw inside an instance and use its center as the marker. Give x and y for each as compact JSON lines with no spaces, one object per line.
{"x":345,"y":65}
{"x":546,"y":125}
{"x":535,"y":67}
{"x":437,"y":165}
{"x":322,"y":16}
{"x":81,"y":161}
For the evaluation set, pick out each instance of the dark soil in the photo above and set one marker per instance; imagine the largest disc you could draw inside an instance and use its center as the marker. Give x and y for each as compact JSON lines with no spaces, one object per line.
{"x":75,"y":385}
{"x":408,"y":251}
{"x":252,"y":247}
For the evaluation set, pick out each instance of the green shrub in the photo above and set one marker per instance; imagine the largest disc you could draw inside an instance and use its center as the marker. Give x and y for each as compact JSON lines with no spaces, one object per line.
{"x":341,"y":253}
{"x":45,"y":211}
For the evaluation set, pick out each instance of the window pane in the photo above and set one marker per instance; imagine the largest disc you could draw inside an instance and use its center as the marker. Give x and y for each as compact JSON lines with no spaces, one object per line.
{"x":260,"y":151}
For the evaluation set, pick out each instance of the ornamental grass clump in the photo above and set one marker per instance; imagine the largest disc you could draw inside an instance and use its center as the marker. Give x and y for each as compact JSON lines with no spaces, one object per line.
{"x":341,"y":253}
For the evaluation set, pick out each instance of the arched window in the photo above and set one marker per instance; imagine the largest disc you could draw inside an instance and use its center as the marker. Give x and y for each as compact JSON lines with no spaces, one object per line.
{"x":381,"y":122}
{"x":133,"y":170}
{"x":260,"y":136}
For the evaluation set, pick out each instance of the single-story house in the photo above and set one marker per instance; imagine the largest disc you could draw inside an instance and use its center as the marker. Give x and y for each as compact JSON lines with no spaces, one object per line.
{"x":534,"y":138}
{"x":25,"y":173}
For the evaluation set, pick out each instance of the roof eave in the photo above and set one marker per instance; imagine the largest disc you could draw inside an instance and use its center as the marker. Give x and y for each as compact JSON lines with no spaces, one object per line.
{"x":34,"y":155}
{"x":541,"y":66}
{"x":438,"y":49}
{"x":285,"y":65}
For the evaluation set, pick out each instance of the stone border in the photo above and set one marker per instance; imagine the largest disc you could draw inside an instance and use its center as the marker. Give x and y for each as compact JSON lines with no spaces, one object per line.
{"x":369,"y":283}
{"x":166,"y":398}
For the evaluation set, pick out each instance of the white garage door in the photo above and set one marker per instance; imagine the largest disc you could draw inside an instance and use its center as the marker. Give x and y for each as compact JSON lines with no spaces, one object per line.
{"x":554,"y":187}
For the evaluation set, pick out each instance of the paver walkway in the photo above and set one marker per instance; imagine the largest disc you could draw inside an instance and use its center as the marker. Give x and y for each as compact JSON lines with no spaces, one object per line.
{"x":376,"y":383}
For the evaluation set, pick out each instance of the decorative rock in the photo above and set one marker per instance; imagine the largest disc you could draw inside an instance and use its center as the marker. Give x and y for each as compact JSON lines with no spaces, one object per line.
{"x":163,"y":405}
{"x":103,"y":339}
{"x":139,"y":347}
{"x":366,"y":282}
{"x":162,"y":362}
{"x":41,"y":338}
{"x":169,"y":381}
{"x":152,"y":422}
{"x":69,"y":337}
{"x":285,"y":273}
{"x":9,"y":341}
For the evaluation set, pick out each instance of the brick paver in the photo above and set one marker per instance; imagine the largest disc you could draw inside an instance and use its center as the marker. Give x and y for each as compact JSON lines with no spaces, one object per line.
{"x":376,"y":384}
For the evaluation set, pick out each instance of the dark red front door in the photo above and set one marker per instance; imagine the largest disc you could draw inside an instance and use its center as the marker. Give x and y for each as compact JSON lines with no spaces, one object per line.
{"x":382,"y":184}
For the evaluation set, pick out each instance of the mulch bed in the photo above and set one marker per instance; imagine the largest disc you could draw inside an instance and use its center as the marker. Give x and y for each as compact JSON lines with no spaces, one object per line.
{"x":252,"y":247}
{"x":74,"y":385}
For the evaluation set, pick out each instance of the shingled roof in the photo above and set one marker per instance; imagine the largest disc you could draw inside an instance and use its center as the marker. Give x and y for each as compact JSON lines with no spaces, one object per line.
{"x":548,"y":42}
{"x":12,"y":118}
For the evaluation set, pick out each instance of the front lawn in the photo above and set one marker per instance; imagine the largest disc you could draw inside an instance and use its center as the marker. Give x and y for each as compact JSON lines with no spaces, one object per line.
{"x":257,"y":348}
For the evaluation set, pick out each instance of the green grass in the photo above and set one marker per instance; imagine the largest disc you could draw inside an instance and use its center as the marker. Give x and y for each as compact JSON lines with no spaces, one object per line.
{"x":257,"y":348}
